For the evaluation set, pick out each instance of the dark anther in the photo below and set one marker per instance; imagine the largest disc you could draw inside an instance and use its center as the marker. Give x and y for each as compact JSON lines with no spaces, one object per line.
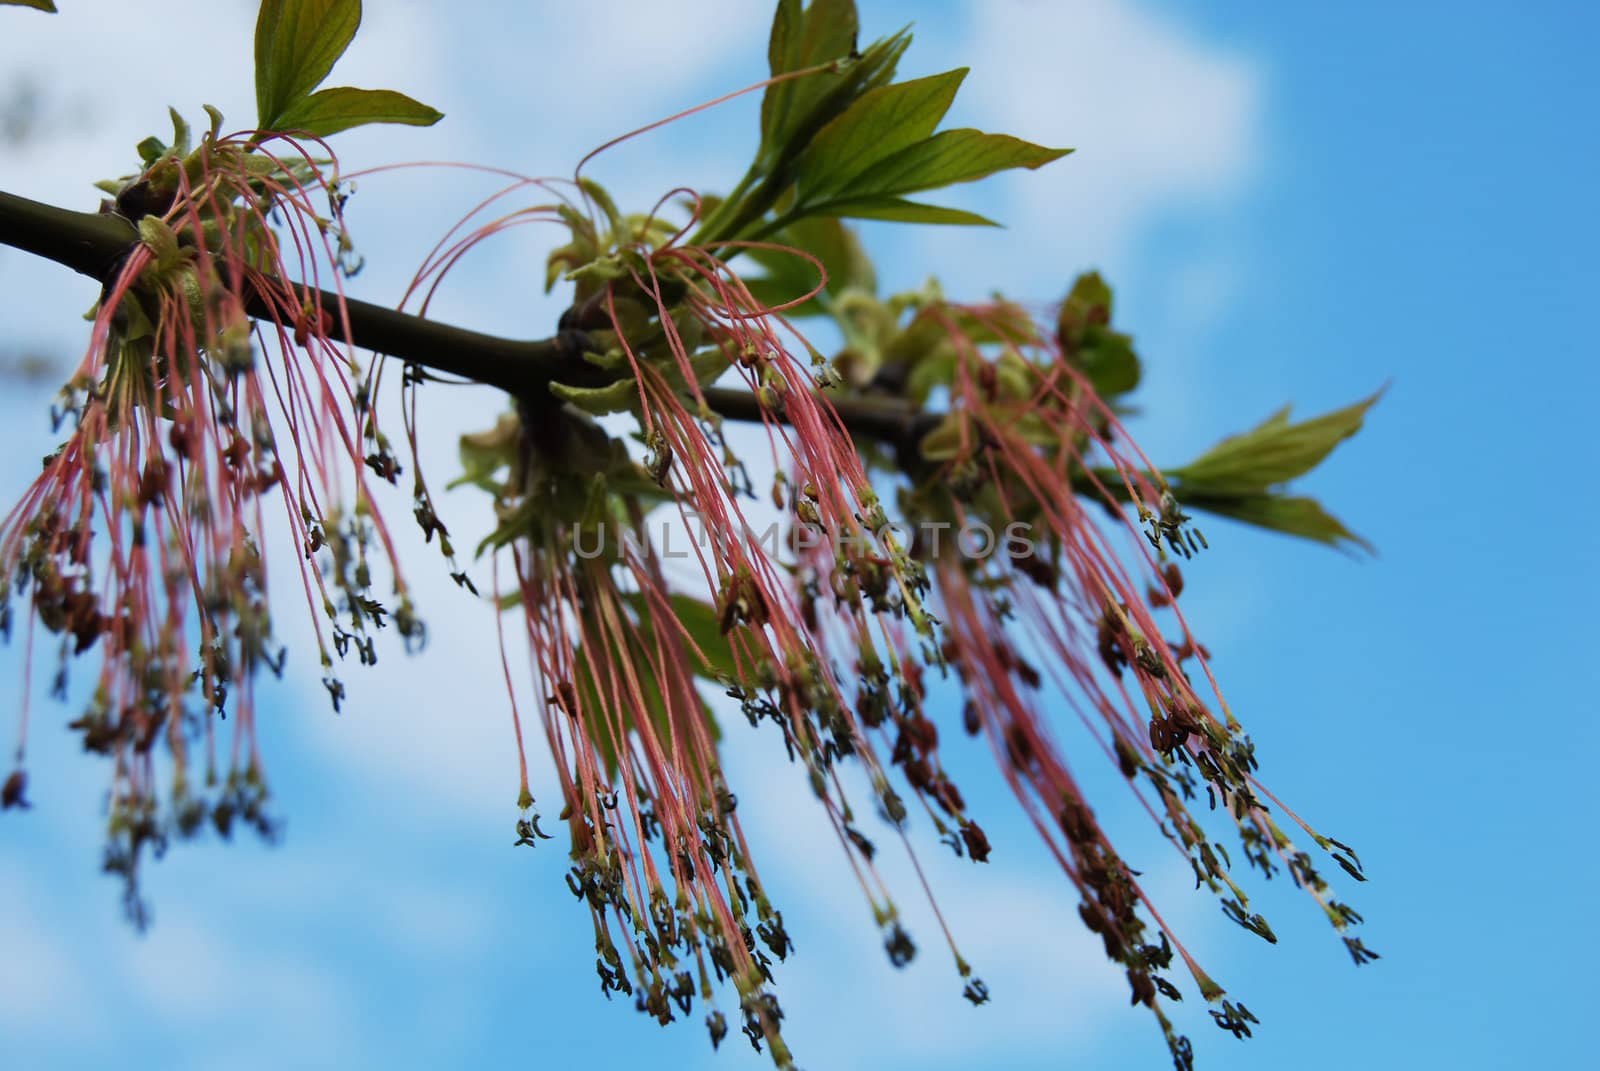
{"x":12,"y":794}
{"x":900,"y":947}
{"x":977,"y":843}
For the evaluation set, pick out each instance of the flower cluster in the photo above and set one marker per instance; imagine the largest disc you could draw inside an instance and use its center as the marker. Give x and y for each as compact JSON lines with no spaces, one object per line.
{"x":841,"y":648}
{"x":142,"y":541}
{"x":220,"y":405}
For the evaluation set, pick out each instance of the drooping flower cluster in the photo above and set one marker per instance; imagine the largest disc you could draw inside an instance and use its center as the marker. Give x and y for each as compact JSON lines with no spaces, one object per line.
{"x":143,"y":540}
{"x":1059,"y":620}
{"x":836,"y":633}
{"x":971,"y":539}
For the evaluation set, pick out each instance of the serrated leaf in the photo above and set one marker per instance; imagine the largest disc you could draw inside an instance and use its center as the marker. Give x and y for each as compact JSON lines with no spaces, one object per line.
{"x":1273,"y":453}
{"x":879,"y":124}
{"x":297,"y":43}
{"x":1292,"y":515}
{"x":329,"y":111}
{"x":47,"y":6}
{"x":947,"y":158}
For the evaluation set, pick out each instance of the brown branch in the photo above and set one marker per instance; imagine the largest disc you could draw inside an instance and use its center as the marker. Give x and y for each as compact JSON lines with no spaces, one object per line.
{"x":889,"y":420}
{"x":95,"y":244}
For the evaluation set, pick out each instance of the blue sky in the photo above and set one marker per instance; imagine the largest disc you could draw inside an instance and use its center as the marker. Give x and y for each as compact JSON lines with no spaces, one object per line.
{"x":1296,"y":203}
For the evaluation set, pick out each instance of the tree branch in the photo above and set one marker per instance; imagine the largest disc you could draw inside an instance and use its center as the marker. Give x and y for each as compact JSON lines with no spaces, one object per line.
{"x":94,"y":245}
{"x":891,"y":421}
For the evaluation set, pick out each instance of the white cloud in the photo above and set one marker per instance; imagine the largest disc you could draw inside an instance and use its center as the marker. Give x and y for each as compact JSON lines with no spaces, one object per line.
{"x":1161,"y":122}
{"x":39,"y":982}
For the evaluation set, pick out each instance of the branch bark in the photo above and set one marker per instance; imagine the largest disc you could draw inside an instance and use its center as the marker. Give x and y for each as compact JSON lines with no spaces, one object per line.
{"x":94,"y":244}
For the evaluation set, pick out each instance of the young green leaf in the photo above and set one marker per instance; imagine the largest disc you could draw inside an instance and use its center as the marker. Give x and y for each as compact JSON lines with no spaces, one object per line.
{"x":820,"y":41}
{"x":945,"y":159}
{"x":789,"y":276}
{"x":592,"y":683}
{"x":879,"y":124}
{"x":622,"y":395}
{"x":794,"y":111}
{"x":1083,"y":331}
{"x":1292,"y":515}
{"x":1107,"y":358}
{"x":898,"y":210}
{"x":1273,"y":453}
{"x":701,"y":622}
{"x":329,"y":111}
{"x":803,"y":37}
{"x":297,"y":44}
{"x":882,"y":146}
{"x":1088,"y":304}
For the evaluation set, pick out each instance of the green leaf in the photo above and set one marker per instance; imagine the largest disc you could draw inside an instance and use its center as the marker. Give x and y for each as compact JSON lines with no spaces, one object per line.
{"x":1083,"y":330}
{"x":180,"y":133}
{"x":789,"y":276}
{"x":297,"y":44}
{"x":803,"y":37}
{"x":879,"y":124}
{"x":162,"y":240}
{"x":1087,"y":304}
{"x":1303,"y":517}
{"x":329,"y":111}
{"x":485,"y":453}
{"x":622,"y":395}
{"x":816,"y":46}
{"x":47,"y":6}
{"x":151,"y":149}
{"x":897,"y":210}
{"x":935,"y":368}
{"x":945,"y":159}
{"x":793,"y":111}
{"x":946,"y":439}
{"x":703,"y":625}
{"x":1108,"y":360}
{"x":216,"y":121}
{"x":772,"y":291}
{"x":616,"y":397}
{"x":592,"y":682}
{"x":1274,"y":452}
